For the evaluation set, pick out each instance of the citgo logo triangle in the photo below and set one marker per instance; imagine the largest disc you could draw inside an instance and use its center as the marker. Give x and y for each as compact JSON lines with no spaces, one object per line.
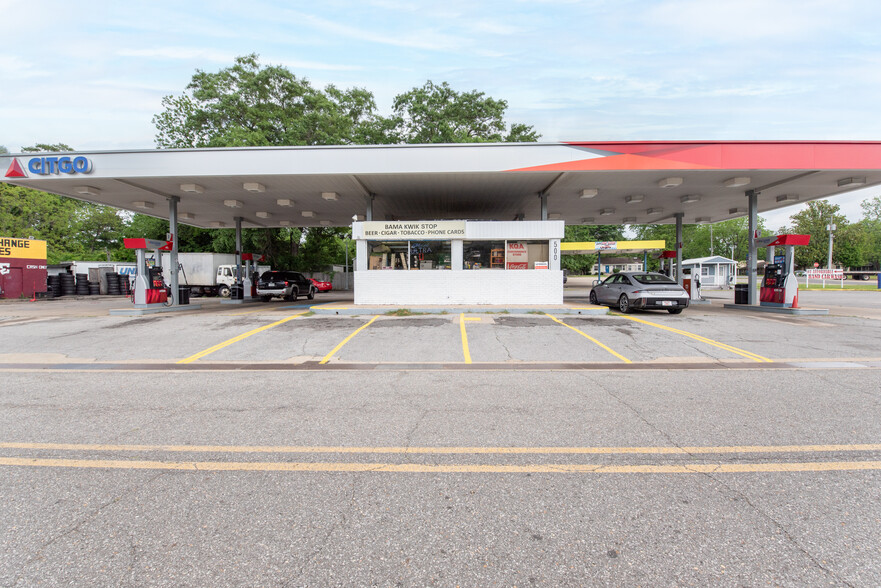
{"x":15,"y":170}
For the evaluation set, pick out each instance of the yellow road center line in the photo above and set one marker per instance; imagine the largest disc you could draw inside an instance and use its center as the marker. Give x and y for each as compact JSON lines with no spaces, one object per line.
{"x":202,"y":466}
{"x":583,"y":334}
{"x":662,"y":450}
{"x":465,"y":350}
{"x":702,"y":339}
{"x":229,"y":342}
{"x":346,"y":340}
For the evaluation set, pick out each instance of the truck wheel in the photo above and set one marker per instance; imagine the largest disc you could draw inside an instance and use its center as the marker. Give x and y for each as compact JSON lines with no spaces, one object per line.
{"x":293,"y":295}
{"x":223,"y":291}
{"x":311,"y":294}
{"x":266,"y":298}
{"x":674,"y":310}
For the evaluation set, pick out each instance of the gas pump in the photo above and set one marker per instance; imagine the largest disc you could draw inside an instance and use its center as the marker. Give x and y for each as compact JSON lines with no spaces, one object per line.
{"x":250,"y":261}
{"x":779,"y":285}
{"x":149,"y":286}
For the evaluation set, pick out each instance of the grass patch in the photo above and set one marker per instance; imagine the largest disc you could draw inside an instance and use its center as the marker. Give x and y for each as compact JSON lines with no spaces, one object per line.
{"x":403,"y":312}
{"x":497,"y":312}
{"x":535,"y":312}
{"x":310,"y":313}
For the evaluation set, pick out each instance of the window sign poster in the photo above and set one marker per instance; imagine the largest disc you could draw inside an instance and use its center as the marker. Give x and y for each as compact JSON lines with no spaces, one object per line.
{"x":518,"y":256}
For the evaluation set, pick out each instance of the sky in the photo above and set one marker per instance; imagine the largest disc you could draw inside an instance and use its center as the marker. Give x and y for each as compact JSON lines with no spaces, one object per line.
{"x":92,"y":74}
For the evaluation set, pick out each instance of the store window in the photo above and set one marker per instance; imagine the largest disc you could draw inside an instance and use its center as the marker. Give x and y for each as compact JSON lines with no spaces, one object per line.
{"x":414,"y":255}
{"x":430,"y":255}
{"x":528,"y":255}
{"x":483,"y":254}
{"x":388,"y":255}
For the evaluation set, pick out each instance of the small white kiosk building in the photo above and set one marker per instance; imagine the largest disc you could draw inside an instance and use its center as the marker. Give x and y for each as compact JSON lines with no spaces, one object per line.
{"x":458,"y":262}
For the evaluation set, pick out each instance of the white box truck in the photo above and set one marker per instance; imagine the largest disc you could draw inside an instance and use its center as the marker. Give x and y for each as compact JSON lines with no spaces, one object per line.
{"x":207,"y":274}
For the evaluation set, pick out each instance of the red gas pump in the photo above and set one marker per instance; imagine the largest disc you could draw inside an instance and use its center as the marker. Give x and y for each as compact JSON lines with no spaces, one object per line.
{"x":779,"y":286}
{"x":149,"y":285}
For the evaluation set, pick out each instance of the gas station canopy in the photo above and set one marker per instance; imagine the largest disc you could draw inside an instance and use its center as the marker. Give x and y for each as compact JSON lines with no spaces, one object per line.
{"x":580,"y":182}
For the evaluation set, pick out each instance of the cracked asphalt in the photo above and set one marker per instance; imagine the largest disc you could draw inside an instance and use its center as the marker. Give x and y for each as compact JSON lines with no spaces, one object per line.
{"x":411,"y":470}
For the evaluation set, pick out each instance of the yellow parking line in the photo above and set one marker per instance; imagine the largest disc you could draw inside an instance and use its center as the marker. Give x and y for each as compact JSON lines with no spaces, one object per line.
{"x":725,"y":346}
{"x":229,"y":342}
{"x":318,"y":449}
{"x":615,"y":353}
{"x":346,"y":340}
{"x":465,"y":350}
{"x":227,"y":466}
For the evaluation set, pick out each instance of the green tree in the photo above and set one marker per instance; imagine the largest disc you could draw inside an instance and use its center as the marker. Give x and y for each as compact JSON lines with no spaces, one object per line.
{"x":435,"y":113}
{"x":47,"y":147}
{"x":813,"y":221}
{"x":871,"y":223}
{"x":582,"y":264}
{"x":252,"y":105}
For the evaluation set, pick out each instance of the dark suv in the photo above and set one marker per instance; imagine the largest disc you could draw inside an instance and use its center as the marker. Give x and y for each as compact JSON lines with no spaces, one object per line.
{"x":288,"y":285}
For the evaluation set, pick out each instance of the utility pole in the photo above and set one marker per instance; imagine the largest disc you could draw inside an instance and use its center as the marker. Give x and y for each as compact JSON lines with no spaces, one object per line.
{"x":830,"y":227}
{"x":711,"y":240}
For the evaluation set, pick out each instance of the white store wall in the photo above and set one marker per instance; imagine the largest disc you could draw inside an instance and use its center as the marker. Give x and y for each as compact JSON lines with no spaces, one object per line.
{"x":460,"y":286}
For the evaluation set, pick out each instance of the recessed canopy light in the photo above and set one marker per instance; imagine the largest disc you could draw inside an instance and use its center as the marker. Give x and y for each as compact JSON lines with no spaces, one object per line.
{"x":358,"y":217}
{"x":144,"y":204}
{"x":654,"y":211}
{"x":217,"y":224}
{"x":607,"y":211}
{"x":634,"y":198}
{"x":330,"y":196}
{"x":670,"y":182}
{"x":629,"y":220}
{"x":233,"y":203}
{"x":689,"y":198}
{"x":554,"y":216}
{"x":736,"y":211}
{"x":254,"y":187}
{"x":737,"y":182}
{"x":284,"y":202}
{"x":589,"y":192}
{"x":325,"y":223}
{"x":186,"y":216}
{"x":284,"y":223}
{"x":851,"y":182}
{"x":702,"y":220}
{"x":262,"y":214}
{"x":86,"y":190}
{"x":308,"y":213}
{"x":787,"y":198}
{"x":587,"y":220}
{"x":192,"y":188}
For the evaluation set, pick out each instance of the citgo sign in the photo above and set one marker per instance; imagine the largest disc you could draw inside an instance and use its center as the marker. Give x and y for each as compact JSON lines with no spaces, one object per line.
{"x":44,"y":166}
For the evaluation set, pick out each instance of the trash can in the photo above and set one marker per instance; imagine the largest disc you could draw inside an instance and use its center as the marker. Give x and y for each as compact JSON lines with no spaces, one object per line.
{"x":237,"y":292}
{"x":183,"y":295}
{"x":741,"y":293}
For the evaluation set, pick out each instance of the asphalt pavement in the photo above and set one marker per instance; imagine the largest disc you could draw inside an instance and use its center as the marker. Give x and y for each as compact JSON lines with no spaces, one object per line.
{"x":267,"y":445}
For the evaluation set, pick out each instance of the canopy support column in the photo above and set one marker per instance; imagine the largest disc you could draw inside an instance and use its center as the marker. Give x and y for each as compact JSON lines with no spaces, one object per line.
{"x":368,"y":213}
{"x":544,"y":205}
{"x":679,"y":216}
{"x":239,"y":251}
{"x":753,"y":196}
{"x":172,"y":257}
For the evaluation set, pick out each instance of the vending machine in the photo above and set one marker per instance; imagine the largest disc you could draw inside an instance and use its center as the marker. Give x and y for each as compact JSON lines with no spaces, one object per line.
{"x":779,"y":286}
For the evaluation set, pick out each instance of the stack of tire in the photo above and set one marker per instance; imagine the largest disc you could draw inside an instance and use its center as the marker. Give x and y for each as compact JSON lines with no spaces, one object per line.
{"x":53,"y":286}
{"x":94,"y":288}
{"x":113,"y":284}
{"x":82,"y":284}
{"x":125,"y":285}
{"x":68,"y":287}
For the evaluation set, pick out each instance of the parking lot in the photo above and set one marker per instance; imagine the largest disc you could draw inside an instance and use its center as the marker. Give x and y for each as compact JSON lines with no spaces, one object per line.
{"x":313,"y":443}
{"x":331,"y":332}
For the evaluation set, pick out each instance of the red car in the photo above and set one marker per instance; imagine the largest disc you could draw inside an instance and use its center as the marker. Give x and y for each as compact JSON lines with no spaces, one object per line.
{"x":322,"y":286}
